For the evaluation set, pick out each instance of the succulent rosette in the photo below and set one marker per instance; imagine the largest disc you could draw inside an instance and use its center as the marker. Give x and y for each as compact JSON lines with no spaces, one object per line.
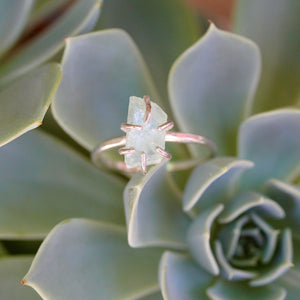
{"x":227,"y":230}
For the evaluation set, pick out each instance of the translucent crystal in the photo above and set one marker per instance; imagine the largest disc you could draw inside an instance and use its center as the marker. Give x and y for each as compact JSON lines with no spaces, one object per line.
{"x":147,"y":139}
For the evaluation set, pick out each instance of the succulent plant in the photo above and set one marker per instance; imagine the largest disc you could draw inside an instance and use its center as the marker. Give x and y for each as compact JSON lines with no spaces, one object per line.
{"x":31,"y":32}
{"x":228,"y":234}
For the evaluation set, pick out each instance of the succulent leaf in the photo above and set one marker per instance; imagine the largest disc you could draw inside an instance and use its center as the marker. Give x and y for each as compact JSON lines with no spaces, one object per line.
{"x":94,"y":92}
{"x":212,"y":182}
{"x":104,"y":268}
{"x":173,"y":37}
{"x":13,"y":16}
{"x":33,"y":53}
{"x":181,"y":278}
{"x":271,"y":141}
{"x":207,"y":101}
{"x":245,"y":201}
{"x":228,"y":290}
{"x":274,"y":30}
{"x":12,"y":268}
{"x":199,"y":236}
{"x":44,"y":182}
{"x":153,"y":210}
{"x":25,"y":102}
{"x":288,"y":196}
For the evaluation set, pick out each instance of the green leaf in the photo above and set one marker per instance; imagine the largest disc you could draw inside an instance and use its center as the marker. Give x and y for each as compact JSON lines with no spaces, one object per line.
{"x":162,"y":29}
{"x":43,"y":182}
{"x":153,"y":211}
{"x":248,"y":201}
{"x":82,"y":259}
{"x":280,"y":264}
{"x":181,"y":278}
{"x":13,"y":16}
{"x":272,"y":141}
{"x":229,"y":272}
{"x":273,"y":25}
{"x":198,"y":238}
{"x":50,"y":42}
{"x":204,"y":98}
{"x":101,"y":71}
{"x":25,"y":102}
{"x":12,"y":269}
{"x":212,"y":182}
{"x":228,"y":290}
{"x":288,"y":196}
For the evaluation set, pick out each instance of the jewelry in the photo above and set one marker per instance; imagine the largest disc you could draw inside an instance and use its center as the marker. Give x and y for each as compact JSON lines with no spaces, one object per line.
{"x":146,"y":134}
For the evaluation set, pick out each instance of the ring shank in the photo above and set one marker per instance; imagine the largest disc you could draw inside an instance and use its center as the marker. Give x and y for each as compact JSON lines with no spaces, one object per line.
{"x":99,"y":158}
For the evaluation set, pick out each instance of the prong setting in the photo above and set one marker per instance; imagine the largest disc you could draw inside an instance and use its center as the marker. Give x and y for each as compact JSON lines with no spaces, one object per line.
{"x":126,"y":127}
{"x":148,"y":109}
{"x":124,"y":151}
{"x":166,"y":126}
{"x":163,"y":152}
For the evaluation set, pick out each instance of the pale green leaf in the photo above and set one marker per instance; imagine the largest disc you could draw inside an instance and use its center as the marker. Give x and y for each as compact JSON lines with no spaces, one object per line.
{"x":44,"y":182}
{"x":153,"y":210}
{"x":25,"y":102}
{"x":247,"y":201}
{"x":13,"y":17}
{"x":162,"y":29}
{"x":101,"y":71}
{"x":12,"y":270}
{"x":211,"y":86}
{"x":212,"y":182}
{"x":82,"y":259}
{"x":199,"y":235}
{"x":228,"y":290}
{"x":273,"y":25}
{"x":288,"y":196}
{"x":51,"y":41}
{"x":181,"y":278}
{"x":272,"y":141}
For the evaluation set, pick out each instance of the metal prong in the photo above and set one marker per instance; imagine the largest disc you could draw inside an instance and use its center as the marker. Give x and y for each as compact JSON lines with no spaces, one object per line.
{"x":125,"y":127}
{"x":148,"y":109}
{"x":163,"y":153}
{"x":166,"y":126}
{"x":144,"y":163}
{"x":124,"y":151}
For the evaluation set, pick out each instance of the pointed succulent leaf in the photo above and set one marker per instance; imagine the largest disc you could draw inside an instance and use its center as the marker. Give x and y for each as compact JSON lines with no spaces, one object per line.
{"x":25,"y":102}
{"x":13,"y":16}
{"x":212,"y":182}
{"x":51,"y":41}
{"x":271,"y":236}
{"x":12,"y":269}
{"x":288,"y":196}
{"x":160,"y":41}
{"x":198,"y":238}
{"x":97,"y":264}
{"x":228,"y":290}
{"x":153,"y":210}
{"x":229,"y":235}
{"x":249,"y":201}
{"x":181,"y":278}
{"x":273,"y":25}
{"x":101,"y":71}
{"x":280,"y":264}
{"x":228,"y":271}
{"x":207,"y":101}
{"x":44,"y":181}
{"x":272,"y":141}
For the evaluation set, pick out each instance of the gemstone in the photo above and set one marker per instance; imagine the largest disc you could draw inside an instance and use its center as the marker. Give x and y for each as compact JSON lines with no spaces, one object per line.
{"x":149,"y":137}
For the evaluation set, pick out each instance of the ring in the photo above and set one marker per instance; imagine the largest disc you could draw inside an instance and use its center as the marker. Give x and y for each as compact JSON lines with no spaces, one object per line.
{"x":144,"y":143}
